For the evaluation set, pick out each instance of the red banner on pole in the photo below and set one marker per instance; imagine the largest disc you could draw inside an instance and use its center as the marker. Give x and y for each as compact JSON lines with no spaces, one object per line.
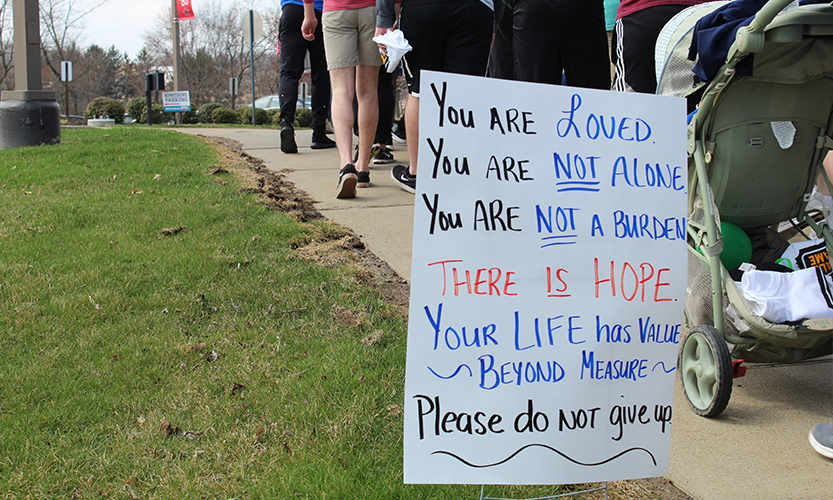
{"x":184,"y":11}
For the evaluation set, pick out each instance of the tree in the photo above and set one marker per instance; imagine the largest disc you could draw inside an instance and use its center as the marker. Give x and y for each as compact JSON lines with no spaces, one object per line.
{"x":200,"y":73}
{"x":96,"y":73}
{"x":62,"y":25}
{"x":6,"y":46}
{"x":212,"y":50}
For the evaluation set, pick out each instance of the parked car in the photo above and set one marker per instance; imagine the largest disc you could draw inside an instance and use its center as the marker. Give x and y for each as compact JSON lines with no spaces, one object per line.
{"x":268,"y":102}
{"x":274,"y":102}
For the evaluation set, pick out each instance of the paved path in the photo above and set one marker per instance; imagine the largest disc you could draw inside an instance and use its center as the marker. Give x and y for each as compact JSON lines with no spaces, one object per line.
{"x":756,"y":450}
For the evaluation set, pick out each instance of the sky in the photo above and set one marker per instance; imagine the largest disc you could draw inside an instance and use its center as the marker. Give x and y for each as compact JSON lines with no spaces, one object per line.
{"x":122,"y":22}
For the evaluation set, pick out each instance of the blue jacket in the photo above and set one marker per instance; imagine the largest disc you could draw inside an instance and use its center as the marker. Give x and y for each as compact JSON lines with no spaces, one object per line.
{"x":715,"y":33}
{"x":318,"y":4}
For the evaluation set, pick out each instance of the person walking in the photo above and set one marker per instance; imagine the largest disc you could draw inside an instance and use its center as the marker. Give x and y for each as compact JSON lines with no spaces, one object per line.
{"x":445,"y":35}
{"x":353,"y":61}
{"x":294,"y":48}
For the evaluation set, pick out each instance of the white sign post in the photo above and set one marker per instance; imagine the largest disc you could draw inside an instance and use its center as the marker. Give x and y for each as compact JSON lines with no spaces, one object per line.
{"x":176,"y":101}
{"x":548,"y":278}
{"x":66,"y":77}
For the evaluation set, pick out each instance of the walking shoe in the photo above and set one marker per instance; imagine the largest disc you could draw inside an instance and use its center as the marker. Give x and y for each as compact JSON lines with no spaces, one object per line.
{"x":373,"y":151}
{"x":322,"y":142}
{"x":363,"y":179}
{"x":347,"y":180}
{"x":402,"y":177}
{"x":382,"y":155}
{"x":821,"y":438}
{"x":288,"y":139}
{"x":398,"y":131}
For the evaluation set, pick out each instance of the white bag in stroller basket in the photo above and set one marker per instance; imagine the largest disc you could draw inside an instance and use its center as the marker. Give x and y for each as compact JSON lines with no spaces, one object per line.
{"x":787,"y":297}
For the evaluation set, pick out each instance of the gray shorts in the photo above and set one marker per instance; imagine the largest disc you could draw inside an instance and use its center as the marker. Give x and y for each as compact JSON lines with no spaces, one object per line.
{"x":348,"y":38}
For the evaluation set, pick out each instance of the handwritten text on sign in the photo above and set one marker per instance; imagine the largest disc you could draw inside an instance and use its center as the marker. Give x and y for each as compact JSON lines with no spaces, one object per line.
{"x":548,"y":275}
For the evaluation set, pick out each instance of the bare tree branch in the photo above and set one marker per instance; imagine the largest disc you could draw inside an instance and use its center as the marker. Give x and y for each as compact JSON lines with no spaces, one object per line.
{"x":62,"y":25}
{"x":213,"y":50}
{"x":6,"y":46}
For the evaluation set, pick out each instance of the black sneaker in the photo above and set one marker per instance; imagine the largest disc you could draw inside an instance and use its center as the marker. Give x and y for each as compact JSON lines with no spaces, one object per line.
{"x":288,"y":139}
{"x":402,"y":177}
{"x":382,"y":156}
{"x":373,"y":151}
{"x":322,"y":142}
{"x":347,"y":180}
{"x":398,"y":131}
{"x":363,"y":179}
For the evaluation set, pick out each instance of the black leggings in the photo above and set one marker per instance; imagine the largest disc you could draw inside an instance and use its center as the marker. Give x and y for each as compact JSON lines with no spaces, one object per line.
{"x":451,"y":36}
{"x":555,"y":36}
{"x":293,"y":50}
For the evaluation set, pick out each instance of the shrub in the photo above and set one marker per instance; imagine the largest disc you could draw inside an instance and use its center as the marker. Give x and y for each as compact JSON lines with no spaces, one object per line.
{"x":222,"y":114}
{"x":245,"y":113}
{"x":159,"y":114}
{"x":101,"y":107}
{"x":136,"y":107}
{"x":206,"y":110}
{"x":303,"y":117}
{"x":190,"y":118}
{"x":274,"y":116}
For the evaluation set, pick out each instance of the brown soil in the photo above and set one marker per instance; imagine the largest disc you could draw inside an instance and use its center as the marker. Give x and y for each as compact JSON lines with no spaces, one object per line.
{"x":342,"y":245}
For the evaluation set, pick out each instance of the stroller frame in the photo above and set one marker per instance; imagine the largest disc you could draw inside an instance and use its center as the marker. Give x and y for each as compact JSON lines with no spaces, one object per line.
{"x":705,"y":363}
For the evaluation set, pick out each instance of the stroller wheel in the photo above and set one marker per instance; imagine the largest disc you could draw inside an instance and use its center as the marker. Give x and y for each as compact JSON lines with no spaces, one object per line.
{"x":706,"y":371}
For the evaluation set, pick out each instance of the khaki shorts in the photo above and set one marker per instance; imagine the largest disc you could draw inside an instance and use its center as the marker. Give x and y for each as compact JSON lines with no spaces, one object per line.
{"x":348,"y":38}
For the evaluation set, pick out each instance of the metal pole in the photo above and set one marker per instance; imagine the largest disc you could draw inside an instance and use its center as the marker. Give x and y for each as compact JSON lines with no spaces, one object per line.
{"x":176,"y":53}
{"x":252,"y":51}
{"x":150,"y":84}
{"x":150,"y":108}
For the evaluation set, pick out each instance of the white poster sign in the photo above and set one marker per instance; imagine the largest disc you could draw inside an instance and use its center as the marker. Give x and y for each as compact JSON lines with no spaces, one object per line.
{"x":176,"y":101}
{"x":548,"y":283}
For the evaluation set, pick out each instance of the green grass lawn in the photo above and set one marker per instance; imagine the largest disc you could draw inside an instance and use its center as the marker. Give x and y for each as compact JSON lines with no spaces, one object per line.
{"x":161,"y":338}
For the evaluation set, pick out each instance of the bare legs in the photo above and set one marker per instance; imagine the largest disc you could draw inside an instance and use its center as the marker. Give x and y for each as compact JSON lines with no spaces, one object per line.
{"x":360,"y":80}
{"x":412,"y":126}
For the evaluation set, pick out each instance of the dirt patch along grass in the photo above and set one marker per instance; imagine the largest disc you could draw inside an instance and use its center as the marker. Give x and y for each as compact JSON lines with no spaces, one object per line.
{"x":178,"y":322}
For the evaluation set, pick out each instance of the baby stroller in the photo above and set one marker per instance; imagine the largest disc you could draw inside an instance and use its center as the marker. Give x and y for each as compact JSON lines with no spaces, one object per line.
{"x":740,"y":174}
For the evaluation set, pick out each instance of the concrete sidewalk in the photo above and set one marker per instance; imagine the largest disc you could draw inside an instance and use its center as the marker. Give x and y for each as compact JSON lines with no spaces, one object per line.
{"x":757,"y":449}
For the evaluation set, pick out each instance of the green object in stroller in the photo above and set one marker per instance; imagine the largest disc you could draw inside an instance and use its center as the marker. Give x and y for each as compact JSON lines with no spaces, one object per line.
{"x":741,"y":173}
